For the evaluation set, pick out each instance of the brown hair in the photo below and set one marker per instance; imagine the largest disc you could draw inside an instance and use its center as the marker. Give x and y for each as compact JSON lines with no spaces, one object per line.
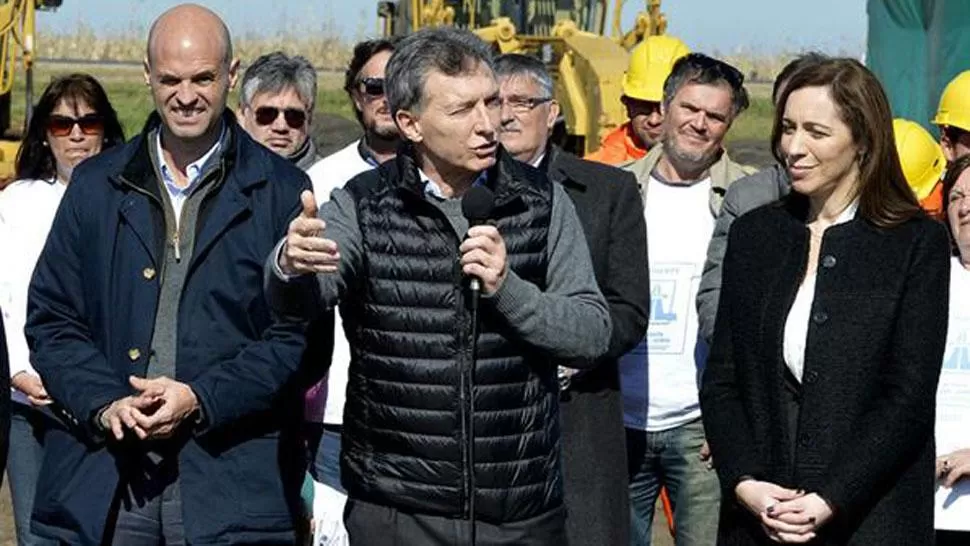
{"x":885,"y":199}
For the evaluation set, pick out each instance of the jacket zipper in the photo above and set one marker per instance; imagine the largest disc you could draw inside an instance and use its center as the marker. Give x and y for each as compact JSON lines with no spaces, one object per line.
{"x":464,"y":399}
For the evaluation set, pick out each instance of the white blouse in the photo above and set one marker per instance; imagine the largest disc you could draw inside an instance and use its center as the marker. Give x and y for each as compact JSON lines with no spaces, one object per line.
{"x":796,"y":325}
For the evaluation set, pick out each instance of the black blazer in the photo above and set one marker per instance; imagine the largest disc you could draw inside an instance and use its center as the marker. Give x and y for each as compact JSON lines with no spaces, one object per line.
{"x":610,"y":210}
{"x":864,"y":433}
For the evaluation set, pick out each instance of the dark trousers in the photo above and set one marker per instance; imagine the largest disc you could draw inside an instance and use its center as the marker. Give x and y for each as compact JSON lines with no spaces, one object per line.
{"x":28,"y":425}
{"x":149,"y":512}
{"x":374,"y":525}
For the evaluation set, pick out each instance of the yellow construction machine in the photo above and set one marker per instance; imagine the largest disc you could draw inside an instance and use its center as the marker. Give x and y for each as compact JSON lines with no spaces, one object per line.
{"x":17,"y":21}
{"x":570,"y":36}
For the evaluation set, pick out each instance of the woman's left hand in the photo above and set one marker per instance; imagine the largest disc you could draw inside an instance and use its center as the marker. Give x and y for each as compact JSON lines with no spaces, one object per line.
{"x":953,"y":467}
{"x":808,"y":509}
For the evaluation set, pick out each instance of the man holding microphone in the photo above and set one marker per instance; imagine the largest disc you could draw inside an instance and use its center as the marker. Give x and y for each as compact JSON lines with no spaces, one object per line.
{"x":440,"y":447}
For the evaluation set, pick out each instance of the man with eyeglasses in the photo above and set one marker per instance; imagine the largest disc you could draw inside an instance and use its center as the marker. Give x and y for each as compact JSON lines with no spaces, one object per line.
{"x":608,"y":205}
{"x":324,"y":402}
{"x":276,"y":101}
{"x":683,"y":181}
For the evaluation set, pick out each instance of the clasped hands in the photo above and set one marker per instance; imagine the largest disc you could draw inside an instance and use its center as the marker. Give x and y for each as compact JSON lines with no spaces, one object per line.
{"x":786,"y":515}
{"x":154,"y":413}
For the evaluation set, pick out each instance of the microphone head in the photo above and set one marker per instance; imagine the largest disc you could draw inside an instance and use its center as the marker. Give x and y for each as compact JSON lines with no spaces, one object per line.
{"x":477,"y":205}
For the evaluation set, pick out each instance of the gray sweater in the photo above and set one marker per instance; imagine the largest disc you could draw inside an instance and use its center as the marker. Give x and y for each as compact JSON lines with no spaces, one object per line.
{"x":746,"y":194}
{"x":569,"y":319}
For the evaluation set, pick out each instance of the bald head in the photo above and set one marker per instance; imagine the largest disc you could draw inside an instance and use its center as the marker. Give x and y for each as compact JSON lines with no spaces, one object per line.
{"x":189,"y":25}
{"x":190,"y":71}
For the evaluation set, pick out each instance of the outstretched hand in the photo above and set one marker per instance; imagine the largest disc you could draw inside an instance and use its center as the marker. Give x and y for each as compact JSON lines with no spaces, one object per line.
{"x":305,"y":249}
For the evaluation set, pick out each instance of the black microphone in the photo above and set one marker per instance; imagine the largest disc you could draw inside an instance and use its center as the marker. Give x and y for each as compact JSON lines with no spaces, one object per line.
{"x":477,"y":205}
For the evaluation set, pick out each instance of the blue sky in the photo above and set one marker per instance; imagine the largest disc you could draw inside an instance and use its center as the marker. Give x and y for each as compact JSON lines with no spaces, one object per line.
{"x":726,"y":26}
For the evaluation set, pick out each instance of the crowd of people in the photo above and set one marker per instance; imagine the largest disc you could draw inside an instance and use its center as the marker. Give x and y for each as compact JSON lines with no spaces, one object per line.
{"x":453,"y":331}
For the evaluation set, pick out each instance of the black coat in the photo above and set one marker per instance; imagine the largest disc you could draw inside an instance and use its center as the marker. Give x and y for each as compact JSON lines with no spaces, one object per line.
{"x":90,"y":322}
{"x":862,"y":435}
{"x":594,"y":454}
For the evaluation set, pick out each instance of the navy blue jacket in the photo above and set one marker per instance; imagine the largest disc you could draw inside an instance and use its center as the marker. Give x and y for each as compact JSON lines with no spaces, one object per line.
{"x":91,"y":311}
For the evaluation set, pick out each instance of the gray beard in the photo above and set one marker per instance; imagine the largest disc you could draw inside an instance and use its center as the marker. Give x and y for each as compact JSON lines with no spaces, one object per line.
{"x":691,"y":161}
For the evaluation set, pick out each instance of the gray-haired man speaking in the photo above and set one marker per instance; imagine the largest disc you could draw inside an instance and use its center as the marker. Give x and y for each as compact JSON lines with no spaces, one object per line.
{"x":276,"y":106}
{"x":437,"y":446}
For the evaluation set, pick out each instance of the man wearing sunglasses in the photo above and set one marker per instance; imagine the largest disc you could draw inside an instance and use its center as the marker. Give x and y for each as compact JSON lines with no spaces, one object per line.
{"x":148,"y":323}
{"x":683,"y":181}
{"x":276,"y":106}
{"x":643,"y":82}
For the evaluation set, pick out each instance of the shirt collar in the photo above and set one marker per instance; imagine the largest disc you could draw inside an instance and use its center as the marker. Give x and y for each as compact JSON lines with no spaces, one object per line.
{"x":848,"y":214}
{"x":193,"y":171}
{"x":434,"y":190}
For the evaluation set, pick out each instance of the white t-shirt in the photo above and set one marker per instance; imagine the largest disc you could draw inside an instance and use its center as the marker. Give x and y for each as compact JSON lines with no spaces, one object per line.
{"x":660,"y":376}
{"x":953,"y":401}
{"x":326,"y":175}
{"x":27,"y":209}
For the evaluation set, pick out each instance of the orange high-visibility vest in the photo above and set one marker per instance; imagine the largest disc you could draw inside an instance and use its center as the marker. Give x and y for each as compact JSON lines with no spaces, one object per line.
{"x":933,"y":204}
{"x":619,"y":147}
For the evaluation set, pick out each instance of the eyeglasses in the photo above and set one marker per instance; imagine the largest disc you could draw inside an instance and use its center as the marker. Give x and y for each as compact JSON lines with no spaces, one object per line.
{"x":372,"y":87}
{"x":524,"y":105}
{"x":294,"y":117}
{"x":90,"y":124}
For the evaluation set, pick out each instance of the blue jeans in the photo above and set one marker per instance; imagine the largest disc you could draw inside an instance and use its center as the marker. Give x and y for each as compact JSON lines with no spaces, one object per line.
{"x":28,"y":425}
{"x":326,"y":459}
{"x":671,"y":459}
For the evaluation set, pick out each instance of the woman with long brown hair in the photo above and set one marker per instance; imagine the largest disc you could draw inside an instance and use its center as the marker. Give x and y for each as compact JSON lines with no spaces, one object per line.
{"x":72,"y":121}
{"x":819,"y":391}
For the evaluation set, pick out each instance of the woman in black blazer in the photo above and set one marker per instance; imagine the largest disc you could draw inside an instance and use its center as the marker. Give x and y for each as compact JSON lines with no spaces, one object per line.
{"x":818,"y":396}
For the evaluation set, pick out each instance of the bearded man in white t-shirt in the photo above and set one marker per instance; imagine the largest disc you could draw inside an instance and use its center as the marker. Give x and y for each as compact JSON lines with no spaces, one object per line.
{"x":683,"y":182}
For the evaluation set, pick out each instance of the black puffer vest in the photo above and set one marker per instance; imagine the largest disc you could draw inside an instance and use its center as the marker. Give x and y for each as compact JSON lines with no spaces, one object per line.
{"x":407,"y":419}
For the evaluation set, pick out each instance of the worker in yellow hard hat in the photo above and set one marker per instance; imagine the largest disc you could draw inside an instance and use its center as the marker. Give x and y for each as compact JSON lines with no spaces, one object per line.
{"x":650,"y":64}
{"x":953,"y":117}
{"x":923,"y":164}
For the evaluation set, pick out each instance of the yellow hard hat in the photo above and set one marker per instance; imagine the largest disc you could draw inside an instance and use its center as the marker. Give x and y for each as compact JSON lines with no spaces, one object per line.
{"x":920,"y":155}
{"x":954,"y":109}
{"x":650,"y":64}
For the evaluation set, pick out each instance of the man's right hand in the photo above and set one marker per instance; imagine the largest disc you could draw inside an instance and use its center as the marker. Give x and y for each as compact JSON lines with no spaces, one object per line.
{"x":121,"y":414}
{"x":305,"y":249}
{"x":32,"y":386}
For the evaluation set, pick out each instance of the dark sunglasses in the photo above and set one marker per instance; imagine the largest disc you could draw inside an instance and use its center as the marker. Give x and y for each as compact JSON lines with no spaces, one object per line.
{"x":60,"y":126}
{"x":294,"y":117}
{"x":372,"y":87}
